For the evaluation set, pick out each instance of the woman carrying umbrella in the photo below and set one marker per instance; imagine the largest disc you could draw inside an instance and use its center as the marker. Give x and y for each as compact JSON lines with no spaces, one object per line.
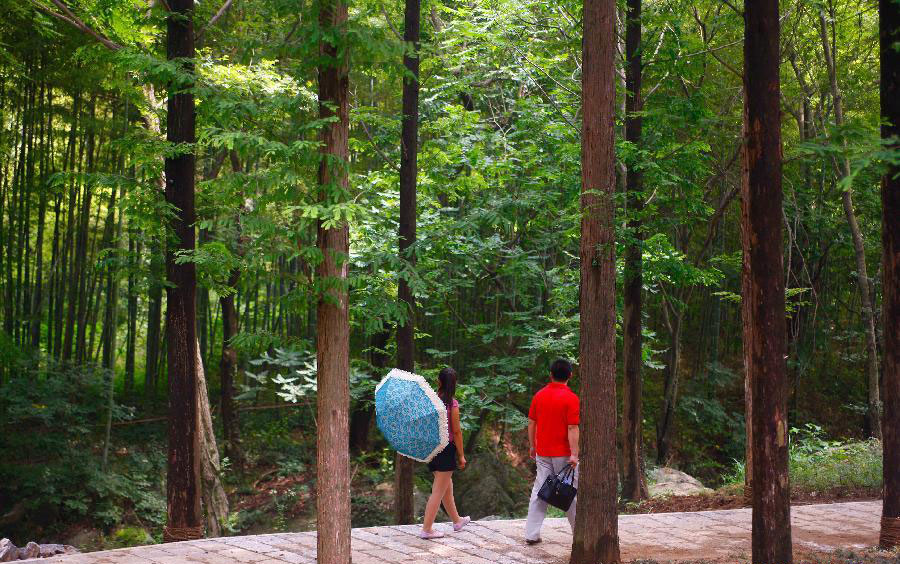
{"x":446,"y":461}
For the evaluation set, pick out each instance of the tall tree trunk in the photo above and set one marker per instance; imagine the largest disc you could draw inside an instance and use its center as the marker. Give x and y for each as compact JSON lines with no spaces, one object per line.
{"x":134,"y":253}
{"x":183,"y":484}
{"x":674,"y":322}
{"x":409,"y":149}
{"x":332,"y":319}
{"x":154,"y":322}
{"x":596,"y":537}
{"x":634,"y":486}
{"x":889,"y":27}
{"x":873,"y":417}
{"x":110,"y":315}
{"x":82,"y":288}
{"x":227,"y":371}
{"x":37,"y":306}
{"x":763,"y":285}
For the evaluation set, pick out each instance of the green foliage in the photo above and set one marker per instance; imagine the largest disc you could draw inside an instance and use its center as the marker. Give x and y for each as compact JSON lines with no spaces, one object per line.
{"x":55,"y":470}
{"x":818,"y":464}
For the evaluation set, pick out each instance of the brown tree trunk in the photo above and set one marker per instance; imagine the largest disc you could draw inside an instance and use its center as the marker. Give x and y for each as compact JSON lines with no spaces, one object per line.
{"x":763,"y":285}
{"x":227,"y":371}
{"x":332,"y":319}
{"x":674,"y":322}
{"x":889,"y":27}
{"x":154,"y":322}
{"x":596,"y":538}
{"x":409,"y":149}
{"x":183,"y":488}
{"x":634,"y":486}
{"x":872,"y":419}
{"x":134,"y":252}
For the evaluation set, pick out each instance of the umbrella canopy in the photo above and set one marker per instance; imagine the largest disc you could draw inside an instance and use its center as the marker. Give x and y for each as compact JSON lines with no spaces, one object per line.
{"x":411,"y":415}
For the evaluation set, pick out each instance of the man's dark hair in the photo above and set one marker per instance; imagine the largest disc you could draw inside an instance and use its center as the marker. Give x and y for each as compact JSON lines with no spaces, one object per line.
{"x":561,"y":370}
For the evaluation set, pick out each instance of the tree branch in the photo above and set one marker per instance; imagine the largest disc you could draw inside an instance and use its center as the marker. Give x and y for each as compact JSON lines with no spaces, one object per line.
{"x":212,"y":21}
{"x":73,"y":20}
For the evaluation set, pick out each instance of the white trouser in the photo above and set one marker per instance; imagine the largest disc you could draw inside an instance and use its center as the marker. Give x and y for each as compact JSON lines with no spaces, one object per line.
{"x":537,"y":508}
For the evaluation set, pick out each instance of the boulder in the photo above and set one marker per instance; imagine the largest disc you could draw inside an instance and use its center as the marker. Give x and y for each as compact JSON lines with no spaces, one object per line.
{"x":31,"y":550}
{"x":489,"y":486}
{"x":48,"y":550}
{"x":8,"y":551}
{"x":669,"y":481}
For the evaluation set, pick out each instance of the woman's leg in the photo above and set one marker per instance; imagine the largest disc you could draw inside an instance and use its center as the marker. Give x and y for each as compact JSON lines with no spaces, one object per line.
{"x":442,"y":480}
{"x":449,"y":502}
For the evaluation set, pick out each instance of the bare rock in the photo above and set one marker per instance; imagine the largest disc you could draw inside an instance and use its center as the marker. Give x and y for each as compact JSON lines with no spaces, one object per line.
{"x":31,"y":550}
{"x":48,"y":550}
{"x":669,"y":481}
{"x":8,"y":551}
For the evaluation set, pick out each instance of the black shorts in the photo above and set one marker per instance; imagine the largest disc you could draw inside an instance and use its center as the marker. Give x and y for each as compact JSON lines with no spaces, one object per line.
{"x":445,"y":461}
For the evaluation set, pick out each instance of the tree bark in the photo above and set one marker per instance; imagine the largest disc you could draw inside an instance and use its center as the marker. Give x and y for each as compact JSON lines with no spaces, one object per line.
{"x":674,"y":321}
{"x":763,"y":285}
{"x":596,"y":536}
{"x":332,"y":319}
{"x":409,"y":149}
{"x":634,"y":486}
{"x":184,"y":520}
{"x":215,"y":502}
{"x":154,"y":322}
{"x":227,"y":371}
{"x":873,"y":418}
{"x":889,"y":28}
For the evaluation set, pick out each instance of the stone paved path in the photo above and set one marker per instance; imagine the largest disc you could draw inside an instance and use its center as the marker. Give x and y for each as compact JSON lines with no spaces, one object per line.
{"x":661,"y":536}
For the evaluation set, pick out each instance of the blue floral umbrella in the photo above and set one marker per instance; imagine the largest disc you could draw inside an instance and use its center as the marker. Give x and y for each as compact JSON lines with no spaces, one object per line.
{"x":411,"y":416}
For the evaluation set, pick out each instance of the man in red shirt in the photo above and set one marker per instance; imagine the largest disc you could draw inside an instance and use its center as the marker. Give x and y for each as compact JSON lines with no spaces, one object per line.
{"x":553,"y":437}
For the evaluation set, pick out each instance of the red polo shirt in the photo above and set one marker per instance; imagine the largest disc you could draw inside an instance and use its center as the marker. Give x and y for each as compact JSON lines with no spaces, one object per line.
{"x":553,"y":409}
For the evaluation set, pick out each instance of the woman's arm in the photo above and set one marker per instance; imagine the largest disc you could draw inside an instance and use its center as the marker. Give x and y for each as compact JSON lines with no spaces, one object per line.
{"x":457,"y":437}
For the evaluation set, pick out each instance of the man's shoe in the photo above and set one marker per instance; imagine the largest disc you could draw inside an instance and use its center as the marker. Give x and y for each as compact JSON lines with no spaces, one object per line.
{"x":532,"y":541}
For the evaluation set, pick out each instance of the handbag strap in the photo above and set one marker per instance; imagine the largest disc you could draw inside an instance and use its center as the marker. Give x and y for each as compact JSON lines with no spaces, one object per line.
{"x":566,"y":474}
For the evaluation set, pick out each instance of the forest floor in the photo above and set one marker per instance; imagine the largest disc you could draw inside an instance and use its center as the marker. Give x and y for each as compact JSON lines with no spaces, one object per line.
{"x":839,"y":533}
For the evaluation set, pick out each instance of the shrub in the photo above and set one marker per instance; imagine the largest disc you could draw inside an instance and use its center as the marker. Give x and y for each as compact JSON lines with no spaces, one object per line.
{"x":818,"y":464}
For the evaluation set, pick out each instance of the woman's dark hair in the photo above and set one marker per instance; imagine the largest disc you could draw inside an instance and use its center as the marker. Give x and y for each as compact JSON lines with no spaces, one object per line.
{"x":561,"y":370}
{"x":447,"y":386}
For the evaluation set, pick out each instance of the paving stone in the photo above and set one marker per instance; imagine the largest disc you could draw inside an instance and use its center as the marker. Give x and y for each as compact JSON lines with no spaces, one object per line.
{"x":707,"y":534}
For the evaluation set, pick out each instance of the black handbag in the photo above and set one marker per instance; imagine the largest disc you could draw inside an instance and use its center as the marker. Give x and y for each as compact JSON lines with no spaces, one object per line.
{"x":559,"y":490}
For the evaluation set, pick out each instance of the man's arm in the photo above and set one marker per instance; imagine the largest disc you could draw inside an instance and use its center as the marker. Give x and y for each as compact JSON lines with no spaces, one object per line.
{"x":532,"y":426}
{"x":573,"y":444}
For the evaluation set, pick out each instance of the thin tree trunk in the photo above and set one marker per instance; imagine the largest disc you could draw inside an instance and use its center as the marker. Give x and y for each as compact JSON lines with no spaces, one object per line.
{"x":110,"y":318}
{"x":154,"y":322}
{"x":873,"y":418}
{"x":82,"y":288}
{"x":763,"y":285}
{"x":634,"y":486}
{"x":37,"y":305}
{"x":596,"y":537}
{"x":409,"y":149}
{"x":674,"y":322}
{"x":332,"y":323}
{"x":183,"y":487}
{"x":889,"y":27}
{"x":227,"y":370}
{"x":134,"y":253}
